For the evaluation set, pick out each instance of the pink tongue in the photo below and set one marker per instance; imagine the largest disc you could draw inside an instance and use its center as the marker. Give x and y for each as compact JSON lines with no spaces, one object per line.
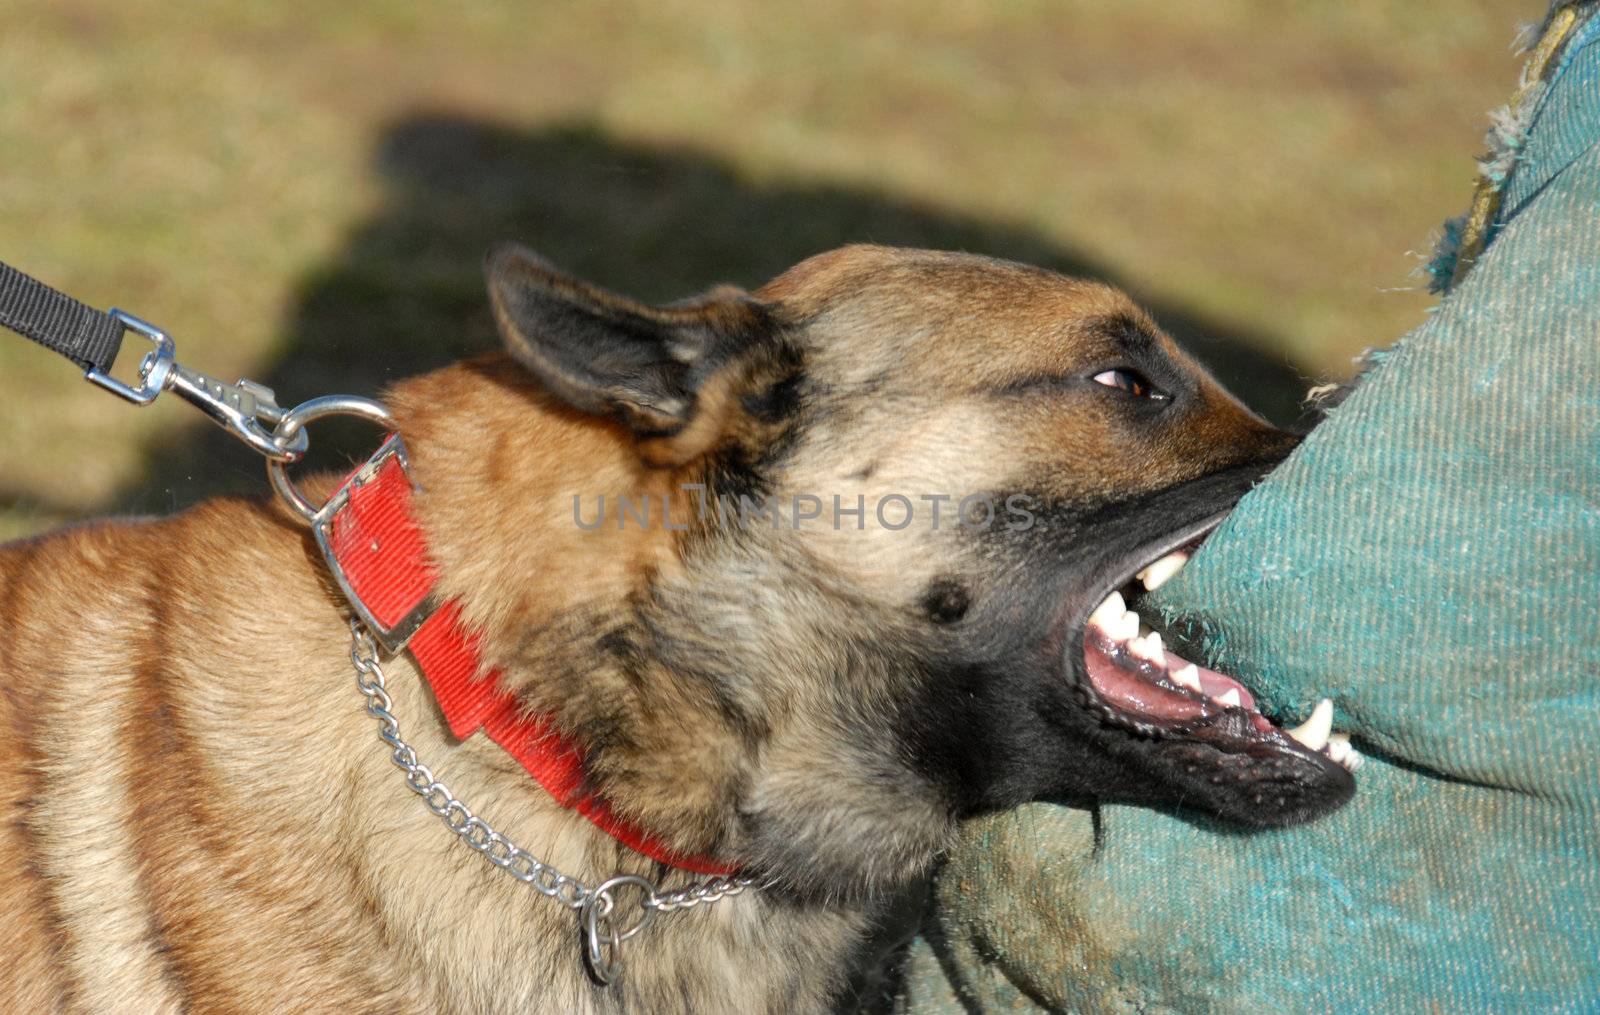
{"x":1132,"y":692}
{"x":1136,"y":694}
{"x":1214,"y":684}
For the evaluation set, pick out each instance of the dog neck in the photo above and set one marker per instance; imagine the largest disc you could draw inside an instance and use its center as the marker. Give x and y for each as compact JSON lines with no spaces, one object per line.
{"x":511,"y":484}
{"x":646,"y":644}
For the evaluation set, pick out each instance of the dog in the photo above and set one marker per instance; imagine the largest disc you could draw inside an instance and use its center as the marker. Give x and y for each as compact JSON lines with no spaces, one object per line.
{"x":789,"y":668}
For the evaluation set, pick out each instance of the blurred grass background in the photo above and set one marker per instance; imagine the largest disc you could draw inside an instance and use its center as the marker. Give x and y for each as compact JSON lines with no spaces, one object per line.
{"x":301,"y":192}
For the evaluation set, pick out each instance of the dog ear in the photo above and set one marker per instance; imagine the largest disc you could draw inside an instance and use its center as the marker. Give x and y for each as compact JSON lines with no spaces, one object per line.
{"x":609,"y":355}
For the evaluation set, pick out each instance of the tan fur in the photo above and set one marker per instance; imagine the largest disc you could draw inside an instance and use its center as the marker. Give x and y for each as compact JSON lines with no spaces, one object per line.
{"x":200,"y":817}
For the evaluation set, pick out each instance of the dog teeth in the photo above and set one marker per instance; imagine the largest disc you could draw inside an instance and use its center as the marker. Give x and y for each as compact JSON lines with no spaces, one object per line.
{"x":1188,"y":677}
{"x":1120,"y":624}
{"x":1114,"y":618}
{"x":1149,"y":649}
{"x":1338,"y":747}
{"x":1340,"y":752}
{"x":1313,"y":733}
{"x":1109,"y":612}
{"x":1156,"y":574}
{"x":1125,"y":627}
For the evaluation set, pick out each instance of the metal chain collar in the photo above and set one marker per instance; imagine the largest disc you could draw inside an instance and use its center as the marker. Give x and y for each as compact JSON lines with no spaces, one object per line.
{"x":597,"y":906}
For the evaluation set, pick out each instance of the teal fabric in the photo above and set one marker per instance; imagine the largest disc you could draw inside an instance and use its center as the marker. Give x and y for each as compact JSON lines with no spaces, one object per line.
{"x":1566,"y":115}
{"x":1430,"y":560}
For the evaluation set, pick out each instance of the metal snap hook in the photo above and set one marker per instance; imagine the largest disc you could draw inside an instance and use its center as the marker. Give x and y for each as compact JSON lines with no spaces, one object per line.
{"x":244,"y":408}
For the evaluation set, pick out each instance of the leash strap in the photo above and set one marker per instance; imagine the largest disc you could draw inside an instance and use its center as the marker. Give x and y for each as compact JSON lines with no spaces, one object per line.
{"x":88,"y":337}
{"x":92,"y":338}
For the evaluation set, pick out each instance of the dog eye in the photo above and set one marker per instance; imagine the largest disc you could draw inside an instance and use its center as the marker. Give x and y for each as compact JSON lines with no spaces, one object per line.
{"x":1130,"y":381}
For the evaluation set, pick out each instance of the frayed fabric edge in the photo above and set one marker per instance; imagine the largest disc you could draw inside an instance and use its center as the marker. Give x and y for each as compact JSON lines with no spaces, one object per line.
{"x":1462,"y":239}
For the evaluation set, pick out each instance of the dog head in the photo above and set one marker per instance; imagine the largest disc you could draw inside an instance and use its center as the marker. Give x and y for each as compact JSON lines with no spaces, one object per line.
{"x":886,"y":499}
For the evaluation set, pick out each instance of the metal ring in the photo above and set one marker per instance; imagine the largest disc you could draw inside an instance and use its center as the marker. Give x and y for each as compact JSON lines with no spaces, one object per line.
{"x":604,"y":889}
{"x":604,"y":953}
{"x":309,"y":412}
{"x":602,"y":941}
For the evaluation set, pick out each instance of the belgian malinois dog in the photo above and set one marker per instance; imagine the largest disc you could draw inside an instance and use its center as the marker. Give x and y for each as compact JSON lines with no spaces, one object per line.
{"x":198,"y":816}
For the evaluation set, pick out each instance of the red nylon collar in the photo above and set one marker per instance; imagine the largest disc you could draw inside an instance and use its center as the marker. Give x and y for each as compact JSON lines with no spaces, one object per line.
{"x":375,"y":541}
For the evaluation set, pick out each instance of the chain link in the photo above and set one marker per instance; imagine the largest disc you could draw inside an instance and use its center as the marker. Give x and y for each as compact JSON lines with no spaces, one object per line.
{"x":597,"y":905}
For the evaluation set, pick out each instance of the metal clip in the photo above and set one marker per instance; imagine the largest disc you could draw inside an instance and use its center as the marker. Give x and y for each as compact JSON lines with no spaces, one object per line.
{"x":245,"y":409}
{"x":241,"y":409}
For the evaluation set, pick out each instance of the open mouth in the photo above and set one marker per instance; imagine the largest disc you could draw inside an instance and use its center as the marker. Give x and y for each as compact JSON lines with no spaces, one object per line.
{"x":1145,"y":687}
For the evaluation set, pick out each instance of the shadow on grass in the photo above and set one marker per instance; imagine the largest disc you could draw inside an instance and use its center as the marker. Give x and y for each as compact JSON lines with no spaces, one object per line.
{"x":406,"y":294}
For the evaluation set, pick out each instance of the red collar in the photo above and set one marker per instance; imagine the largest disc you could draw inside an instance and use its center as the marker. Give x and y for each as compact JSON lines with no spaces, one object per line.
{"x":380,"y":557}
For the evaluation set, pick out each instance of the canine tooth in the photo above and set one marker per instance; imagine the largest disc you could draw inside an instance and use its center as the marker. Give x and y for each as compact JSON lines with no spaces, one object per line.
{"x":1125,"y":627}
{"x":1156,"y":574}
{"x":1313,"y":733}
{"x":1230,"y":698}
{"x":1188,"y":677}
{"x":1108,"y":612}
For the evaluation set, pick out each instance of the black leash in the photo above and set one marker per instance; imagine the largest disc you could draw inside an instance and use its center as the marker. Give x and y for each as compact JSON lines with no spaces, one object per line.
{"x":88,"y":337}
{"x":92,"y":338}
